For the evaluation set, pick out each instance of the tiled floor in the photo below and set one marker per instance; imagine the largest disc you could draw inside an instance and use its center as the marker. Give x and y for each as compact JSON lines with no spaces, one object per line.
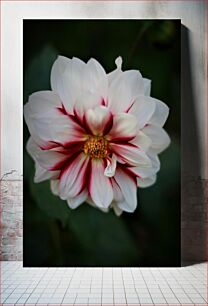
{"x":103,"y":286}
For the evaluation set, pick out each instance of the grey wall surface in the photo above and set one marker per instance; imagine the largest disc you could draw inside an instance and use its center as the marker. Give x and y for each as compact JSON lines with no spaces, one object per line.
{"x":194,"y":109}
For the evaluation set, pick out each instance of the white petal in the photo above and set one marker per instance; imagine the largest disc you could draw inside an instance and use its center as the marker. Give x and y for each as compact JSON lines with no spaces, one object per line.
{"x":154,"y":160}
{"x":146,"y":182}
{"x":160,"y":114}
{"x":78,"y":200}
{"x":111,"y":166}
{"x":119,"y":62}
{"x":50,"y":125}
{"x":100,"y":187}
{"x":49,"y":159}
{"x":124,"y":126}
{"x":143,"y":109}
{"x":55,"y":186}
{"x":42,"y":171}
{"x":86,"y":101}
{"x":98,"y":119}
{"x":117,"y":193}
{"x":131,"y":154}
{"x":60,"y":65}
{"x":142,"y":141}
{"x":147,"y":86}
{"x":159,"y":137}
{"x":90,"y":201}
{"x":73,"y":178}
{"x":41,"y":102}
{"x":142,"y":172}
{"x":116,"y":209}
{"x":42,"y":174}
{"x":117,"y":72}
{"x":95,"y":78}
{"x":66,"y":80}
{"x":124,"y":89}
{"x":128,"y":188}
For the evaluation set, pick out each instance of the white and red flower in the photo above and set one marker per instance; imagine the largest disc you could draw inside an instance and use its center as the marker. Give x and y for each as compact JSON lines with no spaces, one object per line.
{"x":96,"y":136}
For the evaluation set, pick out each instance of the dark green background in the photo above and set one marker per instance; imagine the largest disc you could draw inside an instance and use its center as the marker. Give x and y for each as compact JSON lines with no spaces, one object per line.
{"x":55,"y":235}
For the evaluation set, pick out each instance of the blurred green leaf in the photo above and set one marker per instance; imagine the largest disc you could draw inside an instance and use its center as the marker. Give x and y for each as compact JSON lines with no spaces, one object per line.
{"x":52,"y":205}
{"x":102,"y":234}
{"x":37,"y":74}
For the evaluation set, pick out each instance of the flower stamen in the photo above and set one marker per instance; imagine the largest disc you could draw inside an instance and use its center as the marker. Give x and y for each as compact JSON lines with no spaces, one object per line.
{"x":96,"y":147}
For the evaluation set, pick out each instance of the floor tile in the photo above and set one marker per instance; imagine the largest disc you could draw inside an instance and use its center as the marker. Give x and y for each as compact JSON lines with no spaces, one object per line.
{"x":106,"y":286}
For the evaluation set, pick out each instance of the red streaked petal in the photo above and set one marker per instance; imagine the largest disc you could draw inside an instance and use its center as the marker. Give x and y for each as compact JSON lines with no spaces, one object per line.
{"x":127,"y":184}
{"x":98,"y":120}
{"x":73,"y":176}
{"x":124,"y":127}
{"x":100,"y":187}
{"x":131,"y":154}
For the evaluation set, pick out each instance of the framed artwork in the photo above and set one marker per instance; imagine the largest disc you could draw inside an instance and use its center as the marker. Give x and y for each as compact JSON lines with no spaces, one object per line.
{"x":102,"y":113}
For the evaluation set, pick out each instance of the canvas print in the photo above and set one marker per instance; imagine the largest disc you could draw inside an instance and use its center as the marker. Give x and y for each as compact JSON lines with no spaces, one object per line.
{"x":101,"y":143}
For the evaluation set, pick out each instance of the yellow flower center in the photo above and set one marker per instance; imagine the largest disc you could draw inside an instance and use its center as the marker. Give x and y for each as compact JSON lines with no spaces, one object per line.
{"x":96,"y":147}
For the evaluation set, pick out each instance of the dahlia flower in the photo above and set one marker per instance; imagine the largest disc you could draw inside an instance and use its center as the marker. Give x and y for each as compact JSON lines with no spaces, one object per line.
{"x":96,"y":136}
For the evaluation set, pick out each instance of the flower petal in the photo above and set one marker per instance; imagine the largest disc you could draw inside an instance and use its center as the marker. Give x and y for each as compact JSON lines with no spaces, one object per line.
{"x":41,"y":174}
{"x":146,"y":182}
{"x":66,"y":80}
{"x":142,"y":141}
{"x":49,"y":124}
{"x":54,"y":186}
{"x":95,"y":78}
{"x":60,"y":65}
{"x":116,"y":209}
{"x":154,"y":160}
{"x":143,"y":109}
{"x":73,"y":177}
{"x":78,"y":200}
{"x":124,"y":127}
{"x":117,"y":72}
{"x":128,"y":187}
{"x":86,"y":101}
{"x":99,"y":120}
{"x":147,"y":86}
{"x":159,"y":137}
{"x":41,"y":102}
{"x":47,"y":159}
{"x":131,"y":154}
{"x":117,"y":193}
{"x":144,"y":172}
{"x":160,"y":114}
{"x":111,"y":166}
{"x":100,"y":187}
{"x":124,"y":89}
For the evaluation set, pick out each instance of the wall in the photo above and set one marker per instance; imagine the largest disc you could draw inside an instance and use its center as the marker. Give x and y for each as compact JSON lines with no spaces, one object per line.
{"x":11,"y":226}
{"x":194,"y":108}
